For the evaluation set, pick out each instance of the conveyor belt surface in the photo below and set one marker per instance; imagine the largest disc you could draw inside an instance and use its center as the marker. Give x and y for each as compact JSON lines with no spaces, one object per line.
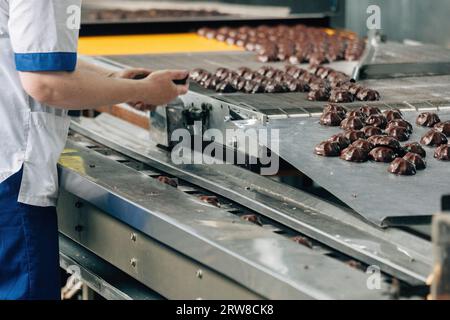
{"x":368,"y":188}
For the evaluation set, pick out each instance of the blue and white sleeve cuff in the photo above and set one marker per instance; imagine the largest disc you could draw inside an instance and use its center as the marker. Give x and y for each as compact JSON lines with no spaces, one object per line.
{"x":52,"y":61}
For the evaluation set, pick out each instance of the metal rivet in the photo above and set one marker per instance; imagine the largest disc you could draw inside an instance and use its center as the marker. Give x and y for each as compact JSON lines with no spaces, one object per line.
{"x":199,"y":273}
{"x":133,"y":237}
{"x":133,"y":262}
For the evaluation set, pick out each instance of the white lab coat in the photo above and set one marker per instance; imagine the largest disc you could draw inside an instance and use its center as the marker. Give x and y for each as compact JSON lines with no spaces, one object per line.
{"x":34,"y":36}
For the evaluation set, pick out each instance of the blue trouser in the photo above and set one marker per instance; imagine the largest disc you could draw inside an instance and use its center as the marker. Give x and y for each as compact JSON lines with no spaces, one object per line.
{"x":29,"y":253}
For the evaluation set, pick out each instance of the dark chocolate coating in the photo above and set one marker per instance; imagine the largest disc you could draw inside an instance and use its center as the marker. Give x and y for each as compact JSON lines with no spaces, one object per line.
{"x":253,"y":218}
{"x":273,"y":87}
{"x":319,"y":95}
{"x":393,"y":115}
{"x":363,"y":144}
{"x":341,"y":140}
{"x":402,"y":167}
{"x":399,"y":133}
{"x":433,"y":138}
{"x":339,"y":96}
{"x":382,"y":154}
{"x":354,"y":135}
{"x":384,"y":141}
{"x":354,"y":154}
{"x":415,"y":147}
{"x":356,"y":113}
{"x":352,"y":123}
{"x":368,"y":95}
{"x":401,"y":123}
{"x":370,"y":131}
{"x":442,"y":153}
{"x":415,"y":159}
{"x":377,"y":120}
{"x":225,"y":87}
{"x":368,"y":110}
{"x":330,"y":118}
{"x":167,"y":180}
{"x":443,"y":127}
{"x":427,"y":119}
{"x":328,"y":149}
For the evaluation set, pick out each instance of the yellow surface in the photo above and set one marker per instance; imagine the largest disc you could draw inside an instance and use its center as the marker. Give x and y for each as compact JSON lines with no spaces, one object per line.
{"x":153,"y":43}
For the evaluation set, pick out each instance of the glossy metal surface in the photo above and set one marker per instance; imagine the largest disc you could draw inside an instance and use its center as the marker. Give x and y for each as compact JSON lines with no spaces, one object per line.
{"x":336,"y":227}
{"x":368,"y":188}
{"x":260,"y":260}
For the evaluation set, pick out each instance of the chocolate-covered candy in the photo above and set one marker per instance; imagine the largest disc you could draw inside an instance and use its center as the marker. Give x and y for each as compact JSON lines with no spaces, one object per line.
{"x":382,"y":154}
{"x":328,"y":149}
{"x":400,"y":123}
{"x":330,"y":118}
{"x":341,"y":140}
{"x":211,"y":83}
{"x":253,"y":218}
{"x":368,"y":110}
{"x":370,"y":131}
{"x":415,"y":159}
{"x":442,"y":153}
{"x":168,"y":181}
{"x":415,"y":147}
{"x":335,"y":108}
{"x":368,"y":95}
{"x":363,"y":144}
{"x":427,"y":119}
{"x":319,"y":95}
{"x":352,"y":123}
{"x":402,"y":167}
{"x":356,"y":113}
{"x":393,"y":115}
{"x":377,"y":120}
{"x":196,"y":74}
{"x":221,"y":71}
{"x":433,"y":138}
{"x":385,"y":141}
{"x":253,"y":87}
{"x":354,"y":135}
{"x":354,"y":154}
{"x":339,"y":96}
{"x":225,"y":87}
{"x":443,"y":127}
{"x":273,"y":87}
{"x":296,"y":85}
{"x":399,"y":133}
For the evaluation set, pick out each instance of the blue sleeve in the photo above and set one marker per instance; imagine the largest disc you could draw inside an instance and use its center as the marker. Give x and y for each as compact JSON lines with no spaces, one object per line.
{"x":44,"y":34}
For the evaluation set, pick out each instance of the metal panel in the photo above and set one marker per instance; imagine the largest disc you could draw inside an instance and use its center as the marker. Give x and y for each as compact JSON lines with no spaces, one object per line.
{"x":334,"y":226}
{"x":367,"y":188}
{"x":159,"y":267}
{"x":264,"y":262}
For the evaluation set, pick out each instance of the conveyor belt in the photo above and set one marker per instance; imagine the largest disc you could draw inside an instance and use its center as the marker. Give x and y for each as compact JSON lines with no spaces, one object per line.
{"x":368,"y":188}
{"x":406,"y":93}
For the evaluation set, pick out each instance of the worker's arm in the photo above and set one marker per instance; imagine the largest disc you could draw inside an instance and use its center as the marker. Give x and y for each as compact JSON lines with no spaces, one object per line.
{"x":83,"y":88}
{"x":125,"y":73}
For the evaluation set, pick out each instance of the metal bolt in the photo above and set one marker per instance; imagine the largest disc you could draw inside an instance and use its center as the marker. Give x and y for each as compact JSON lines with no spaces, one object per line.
{"x":133,"y":237}
{"x":133,"y":262}
{"x":199,"y":274}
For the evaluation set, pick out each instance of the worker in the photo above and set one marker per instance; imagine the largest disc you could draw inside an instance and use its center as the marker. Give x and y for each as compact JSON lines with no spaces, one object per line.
{"x":41,"y":79}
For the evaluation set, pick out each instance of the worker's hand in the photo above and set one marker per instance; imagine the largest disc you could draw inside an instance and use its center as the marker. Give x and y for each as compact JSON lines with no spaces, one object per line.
{"x":138,"y":73}
{"x":159,"y":89}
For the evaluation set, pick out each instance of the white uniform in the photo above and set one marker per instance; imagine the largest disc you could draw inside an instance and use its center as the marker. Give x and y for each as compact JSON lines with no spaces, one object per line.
{"x":35,"y":35}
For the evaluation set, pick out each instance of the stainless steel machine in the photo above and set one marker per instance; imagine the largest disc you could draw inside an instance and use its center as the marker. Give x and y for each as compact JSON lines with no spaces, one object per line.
{"x":223,"y":231}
